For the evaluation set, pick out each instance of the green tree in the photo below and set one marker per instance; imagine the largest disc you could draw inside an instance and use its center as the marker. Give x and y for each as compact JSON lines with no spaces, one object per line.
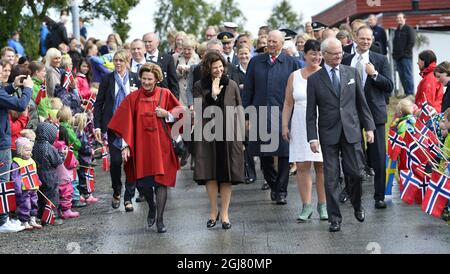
{"x":181,"y":15}
{"x":283,"y":16}
{"x":114,"y":11}
{"x":228,"y":11}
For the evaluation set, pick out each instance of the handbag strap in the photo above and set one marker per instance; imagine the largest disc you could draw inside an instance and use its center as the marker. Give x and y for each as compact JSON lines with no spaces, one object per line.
{"x":163,"y":121}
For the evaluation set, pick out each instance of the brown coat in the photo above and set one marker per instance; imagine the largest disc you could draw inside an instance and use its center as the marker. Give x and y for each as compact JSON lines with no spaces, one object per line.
{"x":205,"y":151}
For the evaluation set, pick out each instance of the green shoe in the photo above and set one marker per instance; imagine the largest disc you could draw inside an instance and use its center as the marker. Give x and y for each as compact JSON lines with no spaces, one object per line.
{"x":322,"y":209}
{"x":306,"y":213}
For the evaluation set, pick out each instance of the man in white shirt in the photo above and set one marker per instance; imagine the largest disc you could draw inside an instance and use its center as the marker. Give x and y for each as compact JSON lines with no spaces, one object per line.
{"x":227,"y":39}
{"x":138,"y":55}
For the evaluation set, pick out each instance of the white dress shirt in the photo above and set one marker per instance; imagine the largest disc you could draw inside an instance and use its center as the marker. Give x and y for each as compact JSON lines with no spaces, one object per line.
{"x":135,"y":66}
{"x":155,"y":56}
{"x":365,"y":60}
{"x":231,"y":55}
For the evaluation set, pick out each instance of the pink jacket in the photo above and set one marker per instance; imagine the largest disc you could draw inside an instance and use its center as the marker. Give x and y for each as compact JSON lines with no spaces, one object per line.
{"x":83,"y":86}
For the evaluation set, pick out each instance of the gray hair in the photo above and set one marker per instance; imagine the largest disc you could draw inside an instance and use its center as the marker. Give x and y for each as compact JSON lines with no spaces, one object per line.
{"x":326,"y":44}
{"x":152,"y":34}
{"x":279,"y":33}
{"x":214,"y":41}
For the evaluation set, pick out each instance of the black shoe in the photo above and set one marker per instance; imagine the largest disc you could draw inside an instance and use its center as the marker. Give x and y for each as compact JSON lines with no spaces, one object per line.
{"x":140,"y":199}
{"x":370,"y":172}
{"x":151,"y":218}
{"x":360,"y":215}
{"x":128,"y":206}
{"x":343,"y":197}
{"x":273,"y":195}
{"x":380,"y":204}
{"x":249,"y":181}
{"x":265,"y":186}
{"x":161,"y":227}
{"x":226,"y":225}
{"x":281,"y":200}
{"x":115,"y":202}
{"x":335,"y":227}
{"x":78,"y":204}
{"x":212,"y":223}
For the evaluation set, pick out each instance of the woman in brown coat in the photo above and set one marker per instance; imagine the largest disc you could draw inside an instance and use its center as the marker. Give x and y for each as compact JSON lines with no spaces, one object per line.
{"x":219,"y":163}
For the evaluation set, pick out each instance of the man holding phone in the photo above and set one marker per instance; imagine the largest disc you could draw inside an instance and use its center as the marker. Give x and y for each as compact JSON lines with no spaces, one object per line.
{"x":8,"y":102}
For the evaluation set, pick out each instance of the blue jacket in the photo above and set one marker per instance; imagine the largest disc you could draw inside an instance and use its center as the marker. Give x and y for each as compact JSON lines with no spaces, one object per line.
{"x":265,"y":85}
{"x":17,"y":46}
{"x":8,"y":102}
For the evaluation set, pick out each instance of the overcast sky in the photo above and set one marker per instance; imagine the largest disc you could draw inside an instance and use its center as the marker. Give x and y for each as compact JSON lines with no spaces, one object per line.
{"x":256,"y":12}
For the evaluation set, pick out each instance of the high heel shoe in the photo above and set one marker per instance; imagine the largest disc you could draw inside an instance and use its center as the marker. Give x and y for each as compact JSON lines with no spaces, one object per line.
{"x":160,"y":226}
{"x":212,"y":223}
{"x":306,"y":213}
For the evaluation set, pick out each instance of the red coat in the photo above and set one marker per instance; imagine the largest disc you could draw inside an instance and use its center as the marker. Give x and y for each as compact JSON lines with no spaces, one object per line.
{"x":136,"y":122}
{"x":83,"y":87}
{"x":430,"y":89}
{"x":16,"y":127}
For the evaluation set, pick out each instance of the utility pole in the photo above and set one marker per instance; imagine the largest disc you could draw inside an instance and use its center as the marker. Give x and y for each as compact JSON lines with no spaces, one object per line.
{"x":75,"y":7}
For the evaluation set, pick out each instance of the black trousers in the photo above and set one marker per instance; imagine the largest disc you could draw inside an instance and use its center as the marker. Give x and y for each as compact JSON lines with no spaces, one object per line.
{"x":278,"y":181}
{"x":250,"y":171}
{"x":353,"y":166}
{"x":376,"y":159}
{"x":116,"y":175}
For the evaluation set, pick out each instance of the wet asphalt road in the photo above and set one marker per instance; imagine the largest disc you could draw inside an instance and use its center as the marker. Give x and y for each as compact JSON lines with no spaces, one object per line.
{"x":259,"y":227}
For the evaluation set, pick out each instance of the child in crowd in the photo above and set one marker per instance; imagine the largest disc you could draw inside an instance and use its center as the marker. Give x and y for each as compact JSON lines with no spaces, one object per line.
{"x":65,"y":182}
{"x":56,"y":104}
{"x":26,"y":191}
{"x":85,"y":154}
{"x":84,"y":79}
{"x":404,"y":118}
{"x":69,"y":95}
{"x":18,"y":122}
{"x":48,"y":160}
{"x":29,"y":134}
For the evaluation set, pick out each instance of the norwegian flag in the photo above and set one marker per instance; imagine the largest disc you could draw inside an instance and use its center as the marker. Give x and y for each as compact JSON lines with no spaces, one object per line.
{"x":48,"y":216}
{"x":410,"y":186}
{"x":426,"y":113}
{"x":42,"y":93}
{"x":416,"y":154}
{"x":68,"y":78}
{"x":90,"y":179}
{"x":105,"y":158}
{"x":437,"y":195}
{"x":70,"y":158}
{"x":91,"y":102}
{"x":30,"y":179}
{"x":7,"y":197}
{"x":395,"y":144}
{"x":74,"y":174}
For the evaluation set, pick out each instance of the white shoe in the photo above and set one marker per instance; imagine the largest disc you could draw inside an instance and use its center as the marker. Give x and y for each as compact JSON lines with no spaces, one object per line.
{"x":27,"y":226}
{"x":34,"y":224}
{"x":15,"y":223}
{"x":9,"y":227}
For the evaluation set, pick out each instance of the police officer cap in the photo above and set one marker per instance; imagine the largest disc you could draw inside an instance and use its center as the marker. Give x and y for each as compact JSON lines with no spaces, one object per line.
{"x":225,"y":37}
{"x":288,"y":34}
{"x":318,"y":26}
{"x":230,"y":25}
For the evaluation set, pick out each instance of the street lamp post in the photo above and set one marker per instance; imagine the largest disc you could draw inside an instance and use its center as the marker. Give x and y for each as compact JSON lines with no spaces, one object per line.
{"x":75,"y":6}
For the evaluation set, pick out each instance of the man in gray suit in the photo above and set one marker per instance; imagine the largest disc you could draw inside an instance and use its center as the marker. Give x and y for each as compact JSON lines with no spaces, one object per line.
{"x":336,"y":92}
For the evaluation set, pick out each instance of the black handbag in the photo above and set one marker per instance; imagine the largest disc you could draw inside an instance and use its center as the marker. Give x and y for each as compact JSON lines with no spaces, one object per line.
{"x":178,"y":145}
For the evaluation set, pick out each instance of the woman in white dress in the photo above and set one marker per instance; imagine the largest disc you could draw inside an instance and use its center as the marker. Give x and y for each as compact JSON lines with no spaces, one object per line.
{"x":299,"y":149}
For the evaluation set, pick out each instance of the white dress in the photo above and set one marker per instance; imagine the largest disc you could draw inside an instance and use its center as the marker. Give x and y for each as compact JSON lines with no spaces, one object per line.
{"x":299,"y":148}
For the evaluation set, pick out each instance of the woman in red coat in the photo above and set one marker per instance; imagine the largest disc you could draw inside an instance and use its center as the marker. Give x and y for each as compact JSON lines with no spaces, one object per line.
{"x":430,"y":89}
{"x":148,"y":154}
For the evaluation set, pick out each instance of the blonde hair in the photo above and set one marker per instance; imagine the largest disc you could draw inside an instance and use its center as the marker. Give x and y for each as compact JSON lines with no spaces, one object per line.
{"x":117,"y":38}
{"x":65,"y":114}
{"x":66,"y":61}
{"x":122,"y":55}
{"x":189,"y":43}
{"x":51,"y":53}
{"x":405,"y":107}
{"x":56,"y":103}
{"x":80,"y":121}
{"x":29,"y":134}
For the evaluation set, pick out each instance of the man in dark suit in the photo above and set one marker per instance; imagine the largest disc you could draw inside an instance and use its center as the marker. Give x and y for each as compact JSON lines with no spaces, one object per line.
{"x":336,"y":92}
{"x":375,"y":74}
{"x":379,"y":33}
{"x":227,"y":39}
{"x":351,"y":48}
{"x":165,"y":61}
{"x":113,"y":89}
{"x":264,"y":88}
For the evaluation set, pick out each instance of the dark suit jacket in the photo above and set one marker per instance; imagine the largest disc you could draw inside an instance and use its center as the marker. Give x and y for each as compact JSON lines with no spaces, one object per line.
{"x":165,"y":61}
{"x":104,"y":104}
{"x":373,"y":48}
{"x":337,"y":115}
{"x":446,"y":99}
{"x":376,"y":91}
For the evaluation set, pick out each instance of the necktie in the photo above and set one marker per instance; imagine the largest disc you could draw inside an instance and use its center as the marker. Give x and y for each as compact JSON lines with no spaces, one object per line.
{"x":228,"y":59}
{"x":335,"y":81}
{"x":151,"y":57}
{"x":274,"y":58}
{"x":138,"y":67}
{"x":359,"y":67}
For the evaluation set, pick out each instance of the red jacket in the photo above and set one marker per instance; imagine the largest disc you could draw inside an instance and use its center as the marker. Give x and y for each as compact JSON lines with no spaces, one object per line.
{"x":430,"y":89}
{"x":16,"y":127}
{"x":83,"y":87}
